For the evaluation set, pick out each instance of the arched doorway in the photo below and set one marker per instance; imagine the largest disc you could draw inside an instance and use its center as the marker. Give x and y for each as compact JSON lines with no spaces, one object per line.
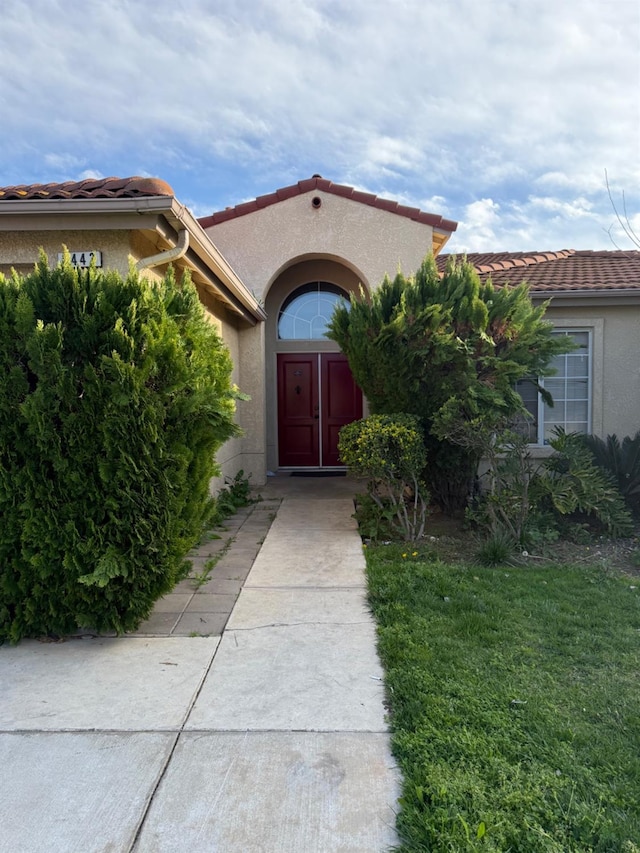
{"x":314,"y":390}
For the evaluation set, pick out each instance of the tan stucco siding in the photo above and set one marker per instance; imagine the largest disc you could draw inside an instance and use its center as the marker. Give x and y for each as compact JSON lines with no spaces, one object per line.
{"x":21,"y":249}
{"x":246,"y":452}
{"x":118,"y":248}
{"x":251,"y":414}
{"x":615,"y":365}
{"x":372,"y":242}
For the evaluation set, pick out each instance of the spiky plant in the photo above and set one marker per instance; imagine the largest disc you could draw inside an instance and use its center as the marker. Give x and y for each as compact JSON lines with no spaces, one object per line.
{"x":570,"y":482}
{"x":622,"y":460}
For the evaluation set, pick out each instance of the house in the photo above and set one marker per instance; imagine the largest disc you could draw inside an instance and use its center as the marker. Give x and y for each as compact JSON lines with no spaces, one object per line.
{"x":593,"y":296}
{"x":299,"y":250}
{"x":269,"y":272}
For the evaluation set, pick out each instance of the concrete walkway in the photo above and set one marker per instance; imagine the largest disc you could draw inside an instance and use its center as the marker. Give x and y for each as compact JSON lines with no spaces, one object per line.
{"x":264,"y":736}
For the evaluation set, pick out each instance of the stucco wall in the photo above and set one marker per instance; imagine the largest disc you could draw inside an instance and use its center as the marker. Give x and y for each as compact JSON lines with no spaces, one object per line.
{"x":20,"y":249}
{"x":371,"y":241}
{"x":252,"y":413}
{"x":245,"y":452}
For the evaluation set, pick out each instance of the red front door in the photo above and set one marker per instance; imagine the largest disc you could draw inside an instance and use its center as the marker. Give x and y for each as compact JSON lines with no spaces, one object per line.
{"x":316,"y":396}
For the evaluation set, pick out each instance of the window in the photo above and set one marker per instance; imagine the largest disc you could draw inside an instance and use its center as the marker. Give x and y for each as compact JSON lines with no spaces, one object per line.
{"x":570,"y":388}
{"x":305,"y":314}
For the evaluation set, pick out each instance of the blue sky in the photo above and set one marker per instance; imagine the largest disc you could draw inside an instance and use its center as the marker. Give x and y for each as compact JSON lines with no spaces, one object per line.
{"x":502,"y":114}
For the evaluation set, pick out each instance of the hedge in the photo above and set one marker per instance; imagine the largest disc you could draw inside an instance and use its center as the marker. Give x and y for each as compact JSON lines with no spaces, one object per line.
{"x":115,"y":395}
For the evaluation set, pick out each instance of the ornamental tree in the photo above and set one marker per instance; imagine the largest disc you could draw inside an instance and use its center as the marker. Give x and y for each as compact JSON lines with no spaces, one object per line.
{"x":114,"y":397}
{"x":427,"y":345}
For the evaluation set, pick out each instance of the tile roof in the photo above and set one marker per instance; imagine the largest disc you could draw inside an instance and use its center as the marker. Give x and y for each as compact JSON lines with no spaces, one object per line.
{"x":98,"y":188}
{"x":322,"y":184}
{"x":563,"y":271}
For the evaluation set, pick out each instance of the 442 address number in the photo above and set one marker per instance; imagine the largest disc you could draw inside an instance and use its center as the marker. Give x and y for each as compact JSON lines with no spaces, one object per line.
{"x":84,"y":259}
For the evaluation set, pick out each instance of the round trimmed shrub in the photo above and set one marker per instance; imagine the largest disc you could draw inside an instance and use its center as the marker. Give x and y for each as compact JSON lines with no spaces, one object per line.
{"x":389,"y":450}
{"x":384,"y":447}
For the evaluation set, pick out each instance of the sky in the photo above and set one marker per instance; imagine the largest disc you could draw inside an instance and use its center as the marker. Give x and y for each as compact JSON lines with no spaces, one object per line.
{"x":507,"y":116}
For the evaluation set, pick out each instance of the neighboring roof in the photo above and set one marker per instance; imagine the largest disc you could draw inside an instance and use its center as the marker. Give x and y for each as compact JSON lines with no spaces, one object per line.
{"x":100,"y":188}
{"x":558,"y":272}
{"x":322,"y":184}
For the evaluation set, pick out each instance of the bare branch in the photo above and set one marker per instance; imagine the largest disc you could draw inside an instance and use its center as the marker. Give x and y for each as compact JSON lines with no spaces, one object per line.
{"x":623,"y":220}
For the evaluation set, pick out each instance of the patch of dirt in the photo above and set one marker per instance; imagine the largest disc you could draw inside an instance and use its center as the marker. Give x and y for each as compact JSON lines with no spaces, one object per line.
{"x":622,"y":555}
{"x":450,"y":540}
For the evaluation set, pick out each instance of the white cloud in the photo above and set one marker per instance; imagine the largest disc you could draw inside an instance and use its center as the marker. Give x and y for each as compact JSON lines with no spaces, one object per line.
{"x":539,"y":224}
{"x":573,"y":209}
{"x":517,"y":105}
{"x":90,"y":175}
{"x":63,"y":162}
{"x":478,"y":228}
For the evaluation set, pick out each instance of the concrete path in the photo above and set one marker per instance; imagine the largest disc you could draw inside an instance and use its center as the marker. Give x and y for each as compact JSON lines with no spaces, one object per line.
{"x":265,"y":737}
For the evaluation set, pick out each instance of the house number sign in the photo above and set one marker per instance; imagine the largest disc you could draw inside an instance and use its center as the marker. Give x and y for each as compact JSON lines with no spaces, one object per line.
{"x":83,"y":258}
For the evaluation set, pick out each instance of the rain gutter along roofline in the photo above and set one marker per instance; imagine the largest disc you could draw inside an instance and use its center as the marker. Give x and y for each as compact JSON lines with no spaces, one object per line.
{"x":613,"y":295}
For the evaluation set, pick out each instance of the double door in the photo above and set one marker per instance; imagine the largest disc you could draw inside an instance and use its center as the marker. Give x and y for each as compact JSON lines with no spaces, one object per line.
{"x":316,"y":396}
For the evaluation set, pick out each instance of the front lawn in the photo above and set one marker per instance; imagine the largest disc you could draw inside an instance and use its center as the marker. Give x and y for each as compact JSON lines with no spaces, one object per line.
{"x":514,"y":703}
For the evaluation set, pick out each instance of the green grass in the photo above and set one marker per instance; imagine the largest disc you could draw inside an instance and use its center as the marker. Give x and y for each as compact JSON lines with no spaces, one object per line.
{"x":514,"y":703}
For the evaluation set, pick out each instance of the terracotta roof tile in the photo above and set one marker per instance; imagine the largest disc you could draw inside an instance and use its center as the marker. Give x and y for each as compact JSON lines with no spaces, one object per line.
{"x":93,"y":188}
{"x":322,"y":184}
{"x":552,"y":272}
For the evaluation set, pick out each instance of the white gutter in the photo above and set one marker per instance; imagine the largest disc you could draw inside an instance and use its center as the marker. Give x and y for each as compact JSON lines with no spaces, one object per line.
{"x":138,"y":204}
{"x":168,"y":256}
{"x":620,"y":296}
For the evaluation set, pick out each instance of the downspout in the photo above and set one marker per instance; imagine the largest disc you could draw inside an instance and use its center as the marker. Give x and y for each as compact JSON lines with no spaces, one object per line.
{"x":166,"y":257}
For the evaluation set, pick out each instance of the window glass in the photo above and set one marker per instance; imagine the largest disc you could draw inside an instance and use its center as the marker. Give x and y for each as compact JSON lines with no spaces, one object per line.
{"x":570,"y":390}
{"x":306,"y":313}
{"x":527,"y":425}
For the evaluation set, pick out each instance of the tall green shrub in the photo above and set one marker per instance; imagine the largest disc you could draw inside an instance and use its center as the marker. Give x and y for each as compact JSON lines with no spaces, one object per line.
{"x":424,"y":343}
{"x":114,"y":397}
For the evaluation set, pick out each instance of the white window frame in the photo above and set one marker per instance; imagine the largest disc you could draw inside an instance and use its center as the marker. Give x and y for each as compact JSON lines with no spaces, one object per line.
{"x":569,"y":329}
{"x":302,"y":328}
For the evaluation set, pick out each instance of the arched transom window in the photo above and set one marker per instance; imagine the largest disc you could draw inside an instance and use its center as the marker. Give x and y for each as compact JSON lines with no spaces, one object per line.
{"x":306,"y":312}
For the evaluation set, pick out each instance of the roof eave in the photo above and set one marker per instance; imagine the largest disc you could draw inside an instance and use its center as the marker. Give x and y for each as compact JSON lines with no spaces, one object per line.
{"x":439,"y":239}
{"x":210,"y":254}
{"x":229,"y":285}
{"x":318,"y":184}
{"x":625,"y":295}
{"x":32,"y":206}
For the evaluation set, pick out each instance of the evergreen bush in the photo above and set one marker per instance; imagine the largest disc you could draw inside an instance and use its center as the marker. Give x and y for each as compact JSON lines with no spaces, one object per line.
{"x":114,"y":397}
{"x":422,"y":344}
